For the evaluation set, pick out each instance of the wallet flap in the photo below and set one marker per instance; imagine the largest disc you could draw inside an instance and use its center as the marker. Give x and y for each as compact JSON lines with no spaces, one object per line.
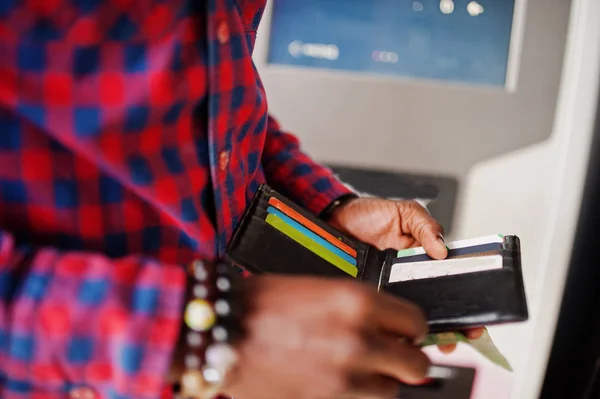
{"x":469,"y":299}
{"x":277,"y":236}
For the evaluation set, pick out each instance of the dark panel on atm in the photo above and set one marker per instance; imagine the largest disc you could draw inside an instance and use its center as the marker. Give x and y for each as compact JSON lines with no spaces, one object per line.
{"x":440,"y":190}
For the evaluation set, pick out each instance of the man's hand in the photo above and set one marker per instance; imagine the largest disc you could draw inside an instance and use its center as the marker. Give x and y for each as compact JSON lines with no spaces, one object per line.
{"x":318,"y":338}
{"x":394,"y":224}
{"x":391,"y":224}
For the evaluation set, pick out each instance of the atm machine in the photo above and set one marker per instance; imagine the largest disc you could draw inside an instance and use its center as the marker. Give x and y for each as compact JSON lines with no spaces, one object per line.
{"x":481,"y":109}
{"x":424,"y":89}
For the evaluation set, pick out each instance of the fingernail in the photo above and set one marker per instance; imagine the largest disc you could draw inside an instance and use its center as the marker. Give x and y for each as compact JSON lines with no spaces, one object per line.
{"x":425,"y":381}
{"x":441,"y":238}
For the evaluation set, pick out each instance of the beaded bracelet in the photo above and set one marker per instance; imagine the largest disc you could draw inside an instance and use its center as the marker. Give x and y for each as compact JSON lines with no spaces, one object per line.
{"x":211,"y":324}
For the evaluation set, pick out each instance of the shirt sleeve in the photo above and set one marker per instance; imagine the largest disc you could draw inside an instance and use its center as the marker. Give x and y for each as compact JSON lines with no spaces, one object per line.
{"x":83,"y":321}
{"x":294,"y":174}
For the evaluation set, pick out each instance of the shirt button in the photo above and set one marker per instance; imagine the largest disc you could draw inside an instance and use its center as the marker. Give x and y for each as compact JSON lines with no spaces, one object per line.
{"x":224,"y":160}
{"x":82,"y":393}
{"x":223,"y":33}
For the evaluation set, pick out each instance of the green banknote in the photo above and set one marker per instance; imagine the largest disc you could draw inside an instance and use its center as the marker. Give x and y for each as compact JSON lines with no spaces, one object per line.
{"x":483,"y":345}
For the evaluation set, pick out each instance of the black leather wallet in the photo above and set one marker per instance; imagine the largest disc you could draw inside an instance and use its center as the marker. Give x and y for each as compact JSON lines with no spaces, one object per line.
{"x":450,"y":302}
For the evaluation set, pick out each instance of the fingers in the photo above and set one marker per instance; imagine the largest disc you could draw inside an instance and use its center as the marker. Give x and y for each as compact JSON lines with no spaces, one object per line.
{"x":417,"y":222}
{"x":397,"y":359}
{"x":475,"y":333}
{"x":362,"y":306}
{"x":400,"y":318}
{"x":447,"y":349}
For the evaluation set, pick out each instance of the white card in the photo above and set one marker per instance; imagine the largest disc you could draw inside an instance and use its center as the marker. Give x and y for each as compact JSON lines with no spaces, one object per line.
{"x":440,"y":268}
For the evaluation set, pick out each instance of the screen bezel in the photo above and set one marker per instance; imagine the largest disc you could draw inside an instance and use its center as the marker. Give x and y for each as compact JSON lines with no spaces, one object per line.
{"x":261,"y":59}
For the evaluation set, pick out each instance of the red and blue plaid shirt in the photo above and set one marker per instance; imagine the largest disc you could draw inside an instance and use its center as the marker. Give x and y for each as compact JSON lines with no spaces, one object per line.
{"x":132,"y":135}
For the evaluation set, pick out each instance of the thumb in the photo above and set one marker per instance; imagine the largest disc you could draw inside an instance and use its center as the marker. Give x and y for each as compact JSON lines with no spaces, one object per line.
{"x":429,"y":233}
{"x":432,"y":241}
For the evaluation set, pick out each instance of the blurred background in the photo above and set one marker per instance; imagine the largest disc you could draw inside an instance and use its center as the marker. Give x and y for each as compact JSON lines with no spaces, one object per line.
{"x":485,"y":112}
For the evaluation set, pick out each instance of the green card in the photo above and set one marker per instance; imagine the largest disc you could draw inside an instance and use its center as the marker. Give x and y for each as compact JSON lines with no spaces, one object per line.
{"x":311,"y":245}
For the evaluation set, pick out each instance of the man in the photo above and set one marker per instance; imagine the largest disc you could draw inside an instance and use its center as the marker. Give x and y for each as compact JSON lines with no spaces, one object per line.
{"x":132,"y":135}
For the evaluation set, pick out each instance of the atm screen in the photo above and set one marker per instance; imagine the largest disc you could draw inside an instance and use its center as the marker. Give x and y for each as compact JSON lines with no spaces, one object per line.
{"x":453,"y":40}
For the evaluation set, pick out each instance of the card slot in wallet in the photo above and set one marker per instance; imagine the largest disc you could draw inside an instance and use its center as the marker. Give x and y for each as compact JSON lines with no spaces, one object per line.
{"x":323,"y":246}
{"x":262,"y":248}
{"x":458,"y":253}
{"x":308,"y":221}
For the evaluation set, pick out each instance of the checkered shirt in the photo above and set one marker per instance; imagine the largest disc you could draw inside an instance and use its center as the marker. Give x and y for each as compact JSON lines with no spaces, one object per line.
{"x":132,"y":135}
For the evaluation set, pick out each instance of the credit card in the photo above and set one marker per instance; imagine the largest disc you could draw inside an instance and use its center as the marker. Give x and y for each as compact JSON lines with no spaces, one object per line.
{"x":311,"y":245}
{"x":440,"y":268}
{"x":312,"y":236}
{"x":311,"y":226}
{"x":477,"y":250}
{"x":473,"y":242}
